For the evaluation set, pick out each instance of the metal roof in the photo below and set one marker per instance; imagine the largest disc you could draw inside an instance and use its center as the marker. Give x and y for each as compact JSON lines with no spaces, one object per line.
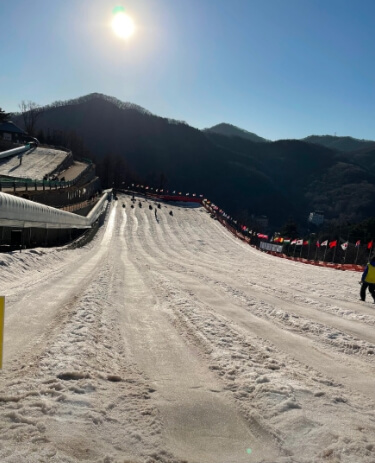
{"x":9,"y":126}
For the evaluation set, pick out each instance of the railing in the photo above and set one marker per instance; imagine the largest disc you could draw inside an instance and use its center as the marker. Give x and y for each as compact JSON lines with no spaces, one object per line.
{"x":78,"y":206}
{"x":15,"y":184}
{"x":29,"y":184}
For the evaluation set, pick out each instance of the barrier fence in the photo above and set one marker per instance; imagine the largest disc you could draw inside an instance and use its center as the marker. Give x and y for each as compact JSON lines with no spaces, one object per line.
{"x":265,"y":247}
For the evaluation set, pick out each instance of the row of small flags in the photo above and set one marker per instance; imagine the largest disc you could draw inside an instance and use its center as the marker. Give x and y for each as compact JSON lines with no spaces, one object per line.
{"x":330,"y":244}
{"x":296,"y":242}
{"x":161,"y":190}
{"x":222,"y":213}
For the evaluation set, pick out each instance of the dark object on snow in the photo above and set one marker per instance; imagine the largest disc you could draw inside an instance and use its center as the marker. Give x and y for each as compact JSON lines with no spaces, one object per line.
{"x":132,"y":206}
{"x":150,"y":207}
{"x":159,"y":206}
{"x":170,"y":212}
{"x":140,"y":204}
{"x":371,"y":288}
{"x":123,"y":205}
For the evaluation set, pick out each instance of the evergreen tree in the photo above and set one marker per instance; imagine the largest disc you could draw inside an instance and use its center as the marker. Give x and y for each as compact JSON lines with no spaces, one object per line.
{"x":3,"y":115}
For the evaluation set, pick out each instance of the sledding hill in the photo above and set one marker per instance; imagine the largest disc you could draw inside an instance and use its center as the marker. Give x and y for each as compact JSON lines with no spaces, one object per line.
{"x":167,"y":339}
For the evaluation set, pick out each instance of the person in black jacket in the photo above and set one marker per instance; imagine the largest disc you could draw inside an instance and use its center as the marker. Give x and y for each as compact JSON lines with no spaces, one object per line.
{"x":368,"y":280}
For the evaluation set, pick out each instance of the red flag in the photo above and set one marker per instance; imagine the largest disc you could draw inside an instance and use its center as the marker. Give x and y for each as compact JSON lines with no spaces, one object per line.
{"x":332,"y":244}
{"x":317,"y":244}
{"x":358,"y":243}
{"x":370,"y":244}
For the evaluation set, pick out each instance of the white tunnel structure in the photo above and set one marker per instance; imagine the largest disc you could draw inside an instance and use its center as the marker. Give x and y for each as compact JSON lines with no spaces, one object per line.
{"x":23,"y":213}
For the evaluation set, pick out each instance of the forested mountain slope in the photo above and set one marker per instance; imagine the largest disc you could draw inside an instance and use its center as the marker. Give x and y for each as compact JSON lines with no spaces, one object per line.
{"x":282,"y":179}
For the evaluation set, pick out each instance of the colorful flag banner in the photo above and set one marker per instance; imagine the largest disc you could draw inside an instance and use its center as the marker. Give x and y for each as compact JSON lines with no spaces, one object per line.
{"x":317,"y":244}
{"x":333,"y":244}
{"x":358,"y":243}
{"x":370,"y":244}
{"x":345,"y":245}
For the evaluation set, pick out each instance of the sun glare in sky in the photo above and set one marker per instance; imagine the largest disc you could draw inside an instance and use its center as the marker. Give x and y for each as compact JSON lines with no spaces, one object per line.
{"x":122,"y":24}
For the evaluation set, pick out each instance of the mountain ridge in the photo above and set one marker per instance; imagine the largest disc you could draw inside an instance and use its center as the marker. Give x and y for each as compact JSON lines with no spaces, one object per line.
{"x":280,"y":179}
{"x":232,"y":131}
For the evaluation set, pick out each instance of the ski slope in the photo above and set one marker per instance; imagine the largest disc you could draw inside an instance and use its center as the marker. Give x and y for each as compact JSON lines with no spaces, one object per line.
{"x":168,"y":340}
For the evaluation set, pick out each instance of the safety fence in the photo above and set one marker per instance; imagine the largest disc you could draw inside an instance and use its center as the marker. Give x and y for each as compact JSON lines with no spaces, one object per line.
{"x":164,"y":197}
{"x":280,"y":254}
{"x":320,"y":263}
{"x":78,"y":206}
{"x":26,"y":184}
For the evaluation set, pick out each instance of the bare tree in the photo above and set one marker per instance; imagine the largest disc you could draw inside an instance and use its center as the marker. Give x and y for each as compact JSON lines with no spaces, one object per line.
{"x":31,"y":112}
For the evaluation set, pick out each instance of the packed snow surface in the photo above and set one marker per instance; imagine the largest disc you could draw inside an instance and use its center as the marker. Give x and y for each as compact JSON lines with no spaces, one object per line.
{"x":34,"y":164}
{"x":166,"y":339}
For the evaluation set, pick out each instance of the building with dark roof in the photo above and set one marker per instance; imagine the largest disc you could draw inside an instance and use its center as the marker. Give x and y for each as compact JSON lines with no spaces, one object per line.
{"x":11,"y":132}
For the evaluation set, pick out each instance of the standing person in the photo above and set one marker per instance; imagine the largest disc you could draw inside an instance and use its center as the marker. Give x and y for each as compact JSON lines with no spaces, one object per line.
{"x":368,"y":280}
{"x":156,"y":215}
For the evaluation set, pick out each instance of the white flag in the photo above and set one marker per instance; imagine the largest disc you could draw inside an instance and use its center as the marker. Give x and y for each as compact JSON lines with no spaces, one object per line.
{"x":324,"y":243}
{"x":299,"y":242}
{"x":345,"y":245}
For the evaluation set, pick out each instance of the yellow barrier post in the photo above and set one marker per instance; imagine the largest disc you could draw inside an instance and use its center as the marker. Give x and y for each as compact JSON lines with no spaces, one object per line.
{"x":2,"y":309}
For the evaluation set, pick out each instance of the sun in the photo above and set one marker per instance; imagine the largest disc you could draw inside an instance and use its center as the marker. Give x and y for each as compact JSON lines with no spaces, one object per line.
{"x":123,"y":25}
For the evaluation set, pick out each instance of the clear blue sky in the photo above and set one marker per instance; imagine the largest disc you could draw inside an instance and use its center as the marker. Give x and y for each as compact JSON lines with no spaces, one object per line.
{"x":278,"y":68}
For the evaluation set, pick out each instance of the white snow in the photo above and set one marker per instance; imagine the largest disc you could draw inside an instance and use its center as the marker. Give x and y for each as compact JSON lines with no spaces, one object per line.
{"x":36,"y":163}
{"x":169,"y":340}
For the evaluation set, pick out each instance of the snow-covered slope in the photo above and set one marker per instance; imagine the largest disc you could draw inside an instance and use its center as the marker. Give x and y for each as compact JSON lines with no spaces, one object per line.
{"x":34,"y":164}
{"x":168,"y":340}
